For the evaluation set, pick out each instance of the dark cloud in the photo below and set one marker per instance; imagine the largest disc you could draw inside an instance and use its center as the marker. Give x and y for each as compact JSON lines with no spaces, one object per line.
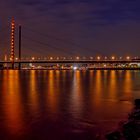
{"x":30,"y":3}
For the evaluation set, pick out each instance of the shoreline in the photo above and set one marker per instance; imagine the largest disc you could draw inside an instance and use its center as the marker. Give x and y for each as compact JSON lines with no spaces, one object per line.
{"x":76,"y":69}
{"x":130,"y":129}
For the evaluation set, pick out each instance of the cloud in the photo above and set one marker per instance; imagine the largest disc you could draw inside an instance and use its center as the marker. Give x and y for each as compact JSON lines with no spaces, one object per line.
{"x":30,"y":2}
{"x":84,"y":11}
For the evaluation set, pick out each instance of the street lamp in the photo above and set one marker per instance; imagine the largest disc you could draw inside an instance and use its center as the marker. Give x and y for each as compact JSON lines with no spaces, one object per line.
{"x":98,"y":57}
{"x":77,"y":58}
{"x":128,"y":57}
{"x":113,"y":57}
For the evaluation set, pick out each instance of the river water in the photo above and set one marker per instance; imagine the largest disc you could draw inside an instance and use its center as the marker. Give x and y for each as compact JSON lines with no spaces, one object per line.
{"x":69,"y":105}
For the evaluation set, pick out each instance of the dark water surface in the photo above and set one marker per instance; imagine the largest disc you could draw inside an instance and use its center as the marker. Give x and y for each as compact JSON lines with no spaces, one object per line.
{"x":69,"y":105}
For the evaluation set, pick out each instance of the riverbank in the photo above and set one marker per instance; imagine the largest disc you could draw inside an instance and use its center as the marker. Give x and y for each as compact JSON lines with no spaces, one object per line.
{"x":135,"y":68}
{"x":129,"y":130}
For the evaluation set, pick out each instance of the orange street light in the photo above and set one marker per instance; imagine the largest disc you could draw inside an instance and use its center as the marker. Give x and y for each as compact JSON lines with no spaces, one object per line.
{"x":98,"y":57}
{"x":128,"y":57}
{"x":33,"y":58}
{"x":113,"y":57}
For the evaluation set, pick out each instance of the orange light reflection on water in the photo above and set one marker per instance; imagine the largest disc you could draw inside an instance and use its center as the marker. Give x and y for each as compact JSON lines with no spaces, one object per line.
{"x":52,"y":93}
{"x":12,"y":106}
{"x":33,"y":94}
{"x":96,"y":86}
{"x":127,"y":95}
{"x":112,"y":87}
{"x":76,"y":99}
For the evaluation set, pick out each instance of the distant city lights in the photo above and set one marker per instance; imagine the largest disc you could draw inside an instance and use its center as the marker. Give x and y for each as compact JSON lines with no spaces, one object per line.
{"x":74,"y":68}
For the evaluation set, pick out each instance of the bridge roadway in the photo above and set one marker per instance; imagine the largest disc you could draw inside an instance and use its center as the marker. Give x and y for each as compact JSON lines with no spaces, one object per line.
{"x":73,"y":61}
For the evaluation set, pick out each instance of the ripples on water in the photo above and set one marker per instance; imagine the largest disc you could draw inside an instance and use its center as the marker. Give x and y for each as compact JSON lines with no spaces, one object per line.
{"x":52,"y":105}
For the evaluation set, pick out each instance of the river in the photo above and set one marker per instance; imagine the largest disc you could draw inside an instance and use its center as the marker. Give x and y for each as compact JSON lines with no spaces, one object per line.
{"x":69,"y":105}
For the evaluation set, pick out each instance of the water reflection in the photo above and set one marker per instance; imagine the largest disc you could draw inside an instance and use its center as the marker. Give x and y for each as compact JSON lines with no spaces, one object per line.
{"x":11,"y":102}
{"x":45,"y":102}
{"x":128,"y":82}
{"x":33,"y":94}
{"x":127,"y":86}
{"x":113,"y":87}
{"x":76,"y":98}
{"x":52,"y":91}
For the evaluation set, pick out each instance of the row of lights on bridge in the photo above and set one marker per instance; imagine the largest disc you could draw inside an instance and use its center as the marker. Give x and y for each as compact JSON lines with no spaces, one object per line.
{"x":79,"y":58}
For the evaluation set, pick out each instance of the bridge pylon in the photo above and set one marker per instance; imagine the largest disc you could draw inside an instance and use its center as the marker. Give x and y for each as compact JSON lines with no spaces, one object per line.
{"x":12,"y":55}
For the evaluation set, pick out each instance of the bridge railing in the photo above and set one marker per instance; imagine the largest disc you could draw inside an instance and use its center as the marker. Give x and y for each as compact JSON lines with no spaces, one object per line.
{"x":79,"y":58}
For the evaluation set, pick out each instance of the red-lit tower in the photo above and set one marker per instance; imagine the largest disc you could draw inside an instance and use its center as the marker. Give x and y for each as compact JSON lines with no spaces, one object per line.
{"x":12,"y":57}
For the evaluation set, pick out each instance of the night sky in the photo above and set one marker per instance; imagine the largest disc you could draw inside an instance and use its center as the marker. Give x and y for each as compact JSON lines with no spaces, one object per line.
{"x":72,"y":27}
